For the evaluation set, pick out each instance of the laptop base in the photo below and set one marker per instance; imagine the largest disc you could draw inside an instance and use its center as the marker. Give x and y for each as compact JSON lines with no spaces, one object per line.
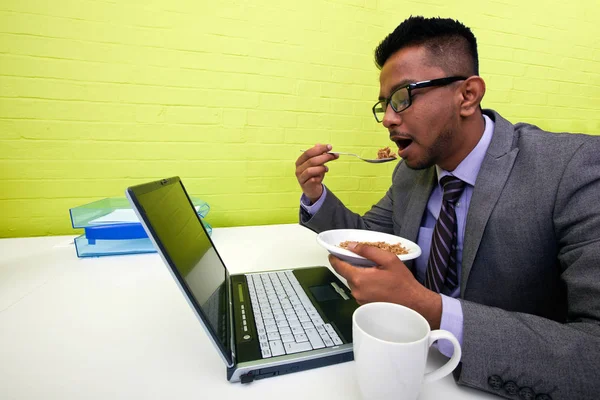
{"x":268,"y":372}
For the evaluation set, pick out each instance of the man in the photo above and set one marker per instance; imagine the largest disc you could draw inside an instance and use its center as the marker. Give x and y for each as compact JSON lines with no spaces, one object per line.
{"x":507,"y":217}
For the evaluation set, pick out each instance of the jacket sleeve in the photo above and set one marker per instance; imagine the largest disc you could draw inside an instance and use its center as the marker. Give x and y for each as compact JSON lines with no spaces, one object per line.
{"x":333,"y":214}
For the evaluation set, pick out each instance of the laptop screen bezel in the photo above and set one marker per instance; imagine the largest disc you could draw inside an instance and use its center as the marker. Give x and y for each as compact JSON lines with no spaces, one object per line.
{"x":132,"y":194}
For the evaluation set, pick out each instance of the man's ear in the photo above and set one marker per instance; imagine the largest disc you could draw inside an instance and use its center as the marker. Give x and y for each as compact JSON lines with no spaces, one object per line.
{"x":472,"y":91}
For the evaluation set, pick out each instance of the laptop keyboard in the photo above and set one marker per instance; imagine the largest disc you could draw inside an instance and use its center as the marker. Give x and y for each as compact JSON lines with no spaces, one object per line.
{"x":286,"y":320}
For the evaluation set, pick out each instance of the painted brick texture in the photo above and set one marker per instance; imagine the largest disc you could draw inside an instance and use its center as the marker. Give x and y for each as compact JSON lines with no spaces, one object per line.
{"x":96,"y":96}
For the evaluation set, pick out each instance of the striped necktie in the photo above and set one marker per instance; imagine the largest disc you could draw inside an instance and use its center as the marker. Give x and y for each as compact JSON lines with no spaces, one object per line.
{"x":441,"y":267}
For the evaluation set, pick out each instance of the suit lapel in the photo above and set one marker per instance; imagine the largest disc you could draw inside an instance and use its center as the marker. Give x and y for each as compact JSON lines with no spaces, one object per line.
{"x":413,"y":213}
{"x":491,"y":179}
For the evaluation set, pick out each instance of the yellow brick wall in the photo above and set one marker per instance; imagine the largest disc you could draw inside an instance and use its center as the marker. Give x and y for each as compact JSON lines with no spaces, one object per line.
{"x":96,"y":96}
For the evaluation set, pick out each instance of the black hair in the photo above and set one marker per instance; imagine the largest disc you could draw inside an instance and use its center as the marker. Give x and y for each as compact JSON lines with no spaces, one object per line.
{"x":452,"y":45}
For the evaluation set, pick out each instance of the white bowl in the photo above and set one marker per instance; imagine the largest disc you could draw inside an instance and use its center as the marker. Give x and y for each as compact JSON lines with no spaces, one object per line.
{"x":330,"y":240}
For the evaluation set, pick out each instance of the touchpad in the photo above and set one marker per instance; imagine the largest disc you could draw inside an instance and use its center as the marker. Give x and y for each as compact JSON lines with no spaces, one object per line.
{"x":324,"y":293}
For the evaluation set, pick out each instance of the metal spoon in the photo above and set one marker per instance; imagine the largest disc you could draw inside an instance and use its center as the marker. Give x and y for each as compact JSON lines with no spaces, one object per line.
{"x":369,"y":160}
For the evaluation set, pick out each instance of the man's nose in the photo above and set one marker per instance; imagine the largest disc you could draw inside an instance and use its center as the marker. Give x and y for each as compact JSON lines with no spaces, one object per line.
{"x":391,"y":117}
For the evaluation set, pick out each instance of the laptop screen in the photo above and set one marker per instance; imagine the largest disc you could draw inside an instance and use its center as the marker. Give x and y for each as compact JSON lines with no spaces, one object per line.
{"x":178,"y":231}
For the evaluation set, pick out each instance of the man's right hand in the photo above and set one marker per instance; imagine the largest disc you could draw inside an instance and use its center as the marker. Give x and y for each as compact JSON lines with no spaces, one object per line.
{"x":311,"y":170}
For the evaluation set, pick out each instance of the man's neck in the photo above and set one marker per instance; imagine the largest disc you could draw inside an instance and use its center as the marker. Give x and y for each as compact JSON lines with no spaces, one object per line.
{"x":465,"y":140}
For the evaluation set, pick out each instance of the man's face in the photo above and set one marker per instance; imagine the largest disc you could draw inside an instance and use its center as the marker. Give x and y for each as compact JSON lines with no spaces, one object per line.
{"x":424,"y":132}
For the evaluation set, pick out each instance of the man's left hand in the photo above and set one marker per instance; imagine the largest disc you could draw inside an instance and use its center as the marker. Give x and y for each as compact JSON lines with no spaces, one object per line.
{"x":389,"y":281}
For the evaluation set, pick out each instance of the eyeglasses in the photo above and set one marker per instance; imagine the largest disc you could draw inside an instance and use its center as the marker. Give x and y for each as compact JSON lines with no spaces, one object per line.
{"x":401,"y":98}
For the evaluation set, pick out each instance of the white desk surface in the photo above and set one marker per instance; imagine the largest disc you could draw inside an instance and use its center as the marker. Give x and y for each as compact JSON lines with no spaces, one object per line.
{"x":119,"y":328}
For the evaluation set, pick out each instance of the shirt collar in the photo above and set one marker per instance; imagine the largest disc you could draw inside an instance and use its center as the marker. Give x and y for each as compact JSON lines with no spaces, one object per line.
{"x":468,"y":169}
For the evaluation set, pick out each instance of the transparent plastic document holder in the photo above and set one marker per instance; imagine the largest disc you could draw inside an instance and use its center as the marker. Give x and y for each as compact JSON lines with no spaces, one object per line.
{"x":112,"y":228}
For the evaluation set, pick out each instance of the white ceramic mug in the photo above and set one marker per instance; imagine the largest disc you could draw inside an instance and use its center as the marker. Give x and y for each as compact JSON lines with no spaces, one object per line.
{"x":391,"y":343}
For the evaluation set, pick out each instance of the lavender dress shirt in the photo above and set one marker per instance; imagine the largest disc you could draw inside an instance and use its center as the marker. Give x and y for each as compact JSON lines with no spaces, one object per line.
{"x":467,"y":171}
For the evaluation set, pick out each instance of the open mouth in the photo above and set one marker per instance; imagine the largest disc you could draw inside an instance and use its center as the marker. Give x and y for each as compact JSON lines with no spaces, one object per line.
{"x":402,"y":143}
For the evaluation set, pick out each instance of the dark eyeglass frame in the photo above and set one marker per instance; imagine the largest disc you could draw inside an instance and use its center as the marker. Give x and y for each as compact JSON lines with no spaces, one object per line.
{"x":412,"y":86}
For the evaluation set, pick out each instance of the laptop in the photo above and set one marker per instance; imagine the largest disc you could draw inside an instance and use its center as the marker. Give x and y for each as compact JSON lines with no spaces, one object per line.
{"x":262,"y":324}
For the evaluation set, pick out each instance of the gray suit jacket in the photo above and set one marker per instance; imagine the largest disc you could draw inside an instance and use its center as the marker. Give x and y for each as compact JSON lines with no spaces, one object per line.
{"x":530,"y":282}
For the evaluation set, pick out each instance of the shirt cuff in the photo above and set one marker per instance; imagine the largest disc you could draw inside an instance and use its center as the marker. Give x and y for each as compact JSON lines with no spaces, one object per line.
{"x":452,"y":321}
{"x":313,"y":208}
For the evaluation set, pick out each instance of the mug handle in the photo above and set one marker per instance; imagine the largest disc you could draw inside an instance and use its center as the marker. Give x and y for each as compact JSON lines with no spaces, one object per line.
{"x":452,"y":362}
